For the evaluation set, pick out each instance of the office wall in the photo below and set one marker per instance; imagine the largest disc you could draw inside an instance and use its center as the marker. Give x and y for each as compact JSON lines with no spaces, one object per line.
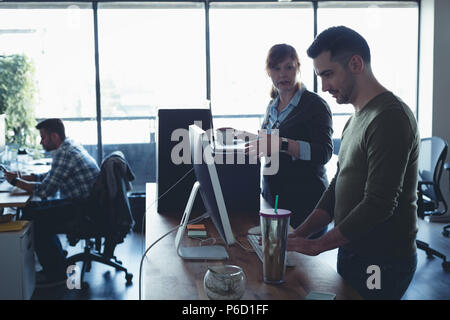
{"x":434,"y":81}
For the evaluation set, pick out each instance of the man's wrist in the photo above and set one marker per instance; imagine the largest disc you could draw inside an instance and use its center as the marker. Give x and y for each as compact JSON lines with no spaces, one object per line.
{"x":284,"y":146}
{"x":317,"y":246}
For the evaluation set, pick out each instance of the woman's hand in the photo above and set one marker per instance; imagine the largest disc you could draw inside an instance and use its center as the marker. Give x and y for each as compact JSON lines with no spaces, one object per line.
{"x":244,"y":135}
{"x":265,"y":145}
{"x":227,"y":134}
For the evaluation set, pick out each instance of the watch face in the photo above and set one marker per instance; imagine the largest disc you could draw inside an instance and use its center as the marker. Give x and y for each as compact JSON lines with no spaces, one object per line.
{"x":284,"y":145}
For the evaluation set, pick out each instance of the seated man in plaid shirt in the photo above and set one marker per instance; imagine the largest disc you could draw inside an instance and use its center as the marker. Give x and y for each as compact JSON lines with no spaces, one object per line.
{"x":73,"y":173}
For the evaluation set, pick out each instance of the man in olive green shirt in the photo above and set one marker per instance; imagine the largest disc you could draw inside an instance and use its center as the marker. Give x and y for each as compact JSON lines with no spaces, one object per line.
{"x":372,"y":197}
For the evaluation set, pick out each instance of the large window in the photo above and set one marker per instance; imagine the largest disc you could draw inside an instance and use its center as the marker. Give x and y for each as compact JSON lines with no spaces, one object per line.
{"x":152,"y":56}
{"x":391,"y":30}
{"x":58,"y":40}
{"x":241,"y":36}
{"x":179,"y":54}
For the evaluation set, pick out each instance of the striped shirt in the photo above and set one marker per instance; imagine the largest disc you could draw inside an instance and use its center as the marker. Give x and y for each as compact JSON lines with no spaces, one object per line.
{"x":73,"y":173}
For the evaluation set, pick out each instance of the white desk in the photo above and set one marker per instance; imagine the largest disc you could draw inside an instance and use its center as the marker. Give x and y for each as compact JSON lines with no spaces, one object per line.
{"x":17,"y":274}
{"x":8,"y":199}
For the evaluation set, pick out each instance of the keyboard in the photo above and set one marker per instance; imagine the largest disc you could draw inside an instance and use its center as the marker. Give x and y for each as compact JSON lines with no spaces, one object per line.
{"x":253,"y":239}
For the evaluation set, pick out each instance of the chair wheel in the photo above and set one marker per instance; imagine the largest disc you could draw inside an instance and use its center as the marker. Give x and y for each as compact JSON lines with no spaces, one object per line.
{"x":128,"y":277}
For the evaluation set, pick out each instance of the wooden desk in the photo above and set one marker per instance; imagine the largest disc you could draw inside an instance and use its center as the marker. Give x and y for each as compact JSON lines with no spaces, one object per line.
{"x":8,"y":199}
{"x":167,"y":276}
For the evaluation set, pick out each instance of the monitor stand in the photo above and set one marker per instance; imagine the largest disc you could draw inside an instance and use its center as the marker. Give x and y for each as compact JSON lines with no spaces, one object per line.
{"x":201,"y":252}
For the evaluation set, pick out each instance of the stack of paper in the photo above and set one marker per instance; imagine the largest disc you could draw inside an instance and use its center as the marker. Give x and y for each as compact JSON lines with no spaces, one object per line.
{"x":196,"y":231}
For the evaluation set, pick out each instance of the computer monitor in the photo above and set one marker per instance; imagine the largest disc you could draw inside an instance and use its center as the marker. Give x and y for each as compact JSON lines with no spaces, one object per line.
{"x":211,"y":192}
{"x":168,"y":173}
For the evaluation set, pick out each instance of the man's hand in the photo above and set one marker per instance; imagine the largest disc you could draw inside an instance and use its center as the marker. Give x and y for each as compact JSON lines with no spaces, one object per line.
{"x":302,"y":245}
{"x":10,"y":175}
{"x":331,"y":240}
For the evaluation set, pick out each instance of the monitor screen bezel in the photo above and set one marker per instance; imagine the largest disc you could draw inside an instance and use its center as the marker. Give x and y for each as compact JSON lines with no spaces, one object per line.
{"x":202,"y":157}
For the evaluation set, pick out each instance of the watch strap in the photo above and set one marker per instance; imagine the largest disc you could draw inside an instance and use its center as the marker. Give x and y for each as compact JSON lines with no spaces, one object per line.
{"x":284,"y":144}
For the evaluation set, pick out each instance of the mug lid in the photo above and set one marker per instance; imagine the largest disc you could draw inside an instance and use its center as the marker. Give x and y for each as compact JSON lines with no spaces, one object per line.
{"x":281,"y":213}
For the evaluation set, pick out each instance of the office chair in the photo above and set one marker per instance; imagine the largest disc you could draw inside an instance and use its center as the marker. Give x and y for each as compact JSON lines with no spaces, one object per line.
{"x":109,"y":219}
{"x":445,"y":230}
{"x":433,"y":152}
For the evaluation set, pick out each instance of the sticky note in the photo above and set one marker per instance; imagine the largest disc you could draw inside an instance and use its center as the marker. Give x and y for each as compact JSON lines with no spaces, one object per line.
{"x":314,"y":295}
{"x":197,"y":233}
{"x":196,"y":227}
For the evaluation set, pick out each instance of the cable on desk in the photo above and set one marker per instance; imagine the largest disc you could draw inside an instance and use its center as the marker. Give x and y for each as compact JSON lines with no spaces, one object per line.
{"x":195,"y":220}
{"x":150,"y":206}
{"x":246,"y":249}
{"x":213,"y":241}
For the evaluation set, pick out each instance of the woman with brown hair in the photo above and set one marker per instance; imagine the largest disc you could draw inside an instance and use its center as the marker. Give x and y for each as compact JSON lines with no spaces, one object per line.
{"x":304,"y":124}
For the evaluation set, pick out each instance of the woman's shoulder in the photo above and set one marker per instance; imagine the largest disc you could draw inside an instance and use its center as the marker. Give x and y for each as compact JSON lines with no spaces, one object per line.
{"x":312,"y":99}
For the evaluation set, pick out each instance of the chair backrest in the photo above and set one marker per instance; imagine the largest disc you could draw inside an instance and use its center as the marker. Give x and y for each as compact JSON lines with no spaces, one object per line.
{"x":112,"y":186}
{"x":433,"y":152}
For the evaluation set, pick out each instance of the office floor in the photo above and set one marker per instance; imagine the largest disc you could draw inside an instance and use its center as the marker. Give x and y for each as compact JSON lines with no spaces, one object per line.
{"x":104,"y":283}
{"x":430,"y":281}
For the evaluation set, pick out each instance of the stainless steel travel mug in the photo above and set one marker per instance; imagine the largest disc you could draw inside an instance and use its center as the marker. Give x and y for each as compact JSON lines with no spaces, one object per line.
{"x":274,"y":232}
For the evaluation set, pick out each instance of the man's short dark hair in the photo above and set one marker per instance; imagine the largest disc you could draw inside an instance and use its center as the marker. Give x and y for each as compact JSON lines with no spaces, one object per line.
{"x":342,"y":42}
{"x":53,"y":126}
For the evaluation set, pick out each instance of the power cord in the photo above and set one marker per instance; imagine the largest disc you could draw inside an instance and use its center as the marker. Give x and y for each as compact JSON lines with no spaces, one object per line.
{"x":143,"y":225}
{"x":145,"y":253}
{"x":147,"y":209}
{"x":172,"y":230}
{"x":246,"y":249}
{"x":195,"y":220}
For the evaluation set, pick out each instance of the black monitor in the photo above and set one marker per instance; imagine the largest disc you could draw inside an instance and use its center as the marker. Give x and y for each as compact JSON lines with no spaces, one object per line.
{"x":211,"y":193}
{"x":168,"y":173}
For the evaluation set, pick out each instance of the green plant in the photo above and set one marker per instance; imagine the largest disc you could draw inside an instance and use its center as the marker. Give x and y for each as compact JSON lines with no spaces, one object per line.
{"x":17,"y":91}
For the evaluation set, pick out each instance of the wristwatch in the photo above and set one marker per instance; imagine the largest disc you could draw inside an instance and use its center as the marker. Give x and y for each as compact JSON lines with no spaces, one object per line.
{"x":284,"y":145}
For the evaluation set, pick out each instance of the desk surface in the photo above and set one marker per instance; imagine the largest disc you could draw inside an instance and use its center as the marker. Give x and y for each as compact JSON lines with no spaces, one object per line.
{"x":13,"y":199}
{"x":167,"y":276}
{"x":21,"y":198}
